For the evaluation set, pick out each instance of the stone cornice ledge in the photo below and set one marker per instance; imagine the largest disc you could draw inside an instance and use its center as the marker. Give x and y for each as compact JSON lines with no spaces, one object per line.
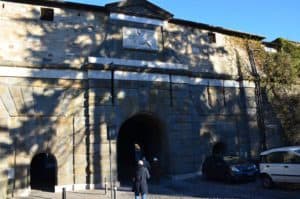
{"x":118,"y":75}
{"x":136,"y":63}
{"x":142,"y":20}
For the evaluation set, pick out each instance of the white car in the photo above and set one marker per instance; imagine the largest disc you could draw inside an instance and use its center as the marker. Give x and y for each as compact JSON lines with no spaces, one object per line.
{"x":280,"y":165}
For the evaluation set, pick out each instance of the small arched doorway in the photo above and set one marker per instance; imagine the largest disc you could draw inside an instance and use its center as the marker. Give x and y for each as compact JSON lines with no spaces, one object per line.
{"x":140,"y":136}
{"x":219,"y":148}
{"x":43,"y":172}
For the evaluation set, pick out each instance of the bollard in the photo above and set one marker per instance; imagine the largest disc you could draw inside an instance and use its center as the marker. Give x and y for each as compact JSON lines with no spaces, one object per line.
{"x":115,"y":192}
{"x":105,"y":186}
{"x":64,"y":193}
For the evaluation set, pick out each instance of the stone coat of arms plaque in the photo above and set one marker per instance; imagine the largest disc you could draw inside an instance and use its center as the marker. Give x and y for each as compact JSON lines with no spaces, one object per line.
{"x":139,"y":38}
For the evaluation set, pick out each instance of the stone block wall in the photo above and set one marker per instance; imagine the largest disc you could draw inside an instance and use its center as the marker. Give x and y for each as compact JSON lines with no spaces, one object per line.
{"x":191,"y":46}
{"x":73,"y":35}
{"x":41,"y":116}
{"x":199,"y":119}
{"x":68,"y":116}
{"x":69,"y":119}
{"x":65,"y":41}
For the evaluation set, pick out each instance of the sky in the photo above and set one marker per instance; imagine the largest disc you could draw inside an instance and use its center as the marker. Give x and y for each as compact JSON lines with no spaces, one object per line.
{"x":268,"y":18}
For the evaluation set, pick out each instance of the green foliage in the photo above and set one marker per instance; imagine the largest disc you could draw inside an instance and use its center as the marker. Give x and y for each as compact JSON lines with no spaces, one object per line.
{"x":293,"y":50}
{"x":279,"y":70}
{"x":282,"y":69}
{"x":281,"y":77}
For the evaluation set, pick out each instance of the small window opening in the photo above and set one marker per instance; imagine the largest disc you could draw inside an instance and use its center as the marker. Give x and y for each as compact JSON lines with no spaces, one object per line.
{"x":212,"y":38}
{"x":3,"y":5}
{"x":47,"y":14}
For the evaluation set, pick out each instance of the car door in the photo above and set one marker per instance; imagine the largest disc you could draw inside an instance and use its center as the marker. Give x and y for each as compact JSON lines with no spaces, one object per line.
{"x":291,"y":167}
{"x":273,"y":166}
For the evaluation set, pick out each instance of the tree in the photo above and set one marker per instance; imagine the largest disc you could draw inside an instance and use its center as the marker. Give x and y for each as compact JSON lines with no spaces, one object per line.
{"x":281,"y":80}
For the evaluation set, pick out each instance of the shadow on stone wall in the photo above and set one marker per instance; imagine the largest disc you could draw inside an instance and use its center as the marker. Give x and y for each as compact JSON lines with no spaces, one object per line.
{"x":50,"y":115}
{"x":63,"y":117}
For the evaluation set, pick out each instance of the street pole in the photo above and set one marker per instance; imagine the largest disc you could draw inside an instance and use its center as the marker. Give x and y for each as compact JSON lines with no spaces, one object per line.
{"x":110,"y":135}
{"x":115,"y":191}
{"x":105,"y":185}
{"x":64,"y":195}
{"x":110,"y":170}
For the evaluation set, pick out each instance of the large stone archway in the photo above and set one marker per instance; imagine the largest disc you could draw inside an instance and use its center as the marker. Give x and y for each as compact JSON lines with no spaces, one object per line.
{"x":147,"y":132}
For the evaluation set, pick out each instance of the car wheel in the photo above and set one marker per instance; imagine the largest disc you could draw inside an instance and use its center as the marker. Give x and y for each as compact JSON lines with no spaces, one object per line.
{"x":228,"y":178}
{"x":267,"y":182}
{"x":252,"y":179}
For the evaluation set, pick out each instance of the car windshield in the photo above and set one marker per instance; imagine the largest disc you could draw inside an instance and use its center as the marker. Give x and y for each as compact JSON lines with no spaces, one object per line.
{"x":298,"y":151}
{"x":234,"y":160}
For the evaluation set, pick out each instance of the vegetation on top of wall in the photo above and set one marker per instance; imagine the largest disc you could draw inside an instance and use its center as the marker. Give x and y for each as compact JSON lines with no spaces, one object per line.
{"x":282,"y":69}
{"x":280,"y":79}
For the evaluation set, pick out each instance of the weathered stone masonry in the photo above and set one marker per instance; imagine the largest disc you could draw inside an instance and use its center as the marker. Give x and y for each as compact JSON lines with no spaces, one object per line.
{"x":63,"y":81}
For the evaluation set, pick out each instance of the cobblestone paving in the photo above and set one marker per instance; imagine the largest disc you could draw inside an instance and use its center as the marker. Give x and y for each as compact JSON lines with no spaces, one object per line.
{"x":193,"y":188}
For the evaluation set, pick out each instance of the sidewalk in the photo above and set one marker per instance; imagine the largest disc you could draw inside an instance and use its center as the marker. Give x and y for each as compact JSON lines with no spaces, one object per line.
{"x":97,"y":194}
{"x":184,"y":189}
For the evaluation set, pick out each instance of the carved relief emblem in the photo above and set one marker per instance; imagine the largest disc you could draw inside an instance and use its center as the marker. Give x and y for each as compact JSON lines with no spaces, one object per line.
{"x":138,"y":38}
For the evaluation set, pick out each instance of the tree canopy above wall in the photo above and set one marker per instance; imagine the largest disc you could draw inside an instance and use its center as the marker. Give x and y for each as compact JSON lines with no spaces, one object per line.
{"x":282,"y":83}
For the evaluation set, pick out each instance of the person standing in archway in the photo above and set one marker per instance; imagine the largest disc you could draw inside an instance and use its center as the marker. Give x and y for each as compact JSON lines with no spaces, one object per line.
{"x":140,"y":181}
{"x":138,"y":152}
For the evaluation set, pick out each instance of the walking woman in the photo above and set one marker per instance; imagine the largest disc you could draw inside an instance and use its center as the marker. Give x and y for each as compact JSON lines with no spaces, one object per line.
{"x":140,"y":181}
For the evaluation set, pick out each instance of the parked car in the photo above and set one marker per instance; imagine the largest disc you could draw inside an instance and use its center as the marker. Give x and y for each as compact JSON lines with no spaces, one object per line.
{"x":228,"y":168}
{"x":280,"y":165}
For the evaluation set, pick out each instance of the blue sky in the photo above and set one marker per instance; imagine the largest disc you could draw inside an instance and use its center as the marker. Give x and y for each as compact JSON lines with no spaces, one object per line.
{"x":269,"y":18}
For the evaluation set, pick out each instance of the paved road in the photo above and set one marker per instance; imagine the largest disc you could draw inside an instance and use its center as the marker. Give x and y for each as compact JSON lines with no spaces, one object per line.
{"x":188,"y":189}
{"x":252,"y":190}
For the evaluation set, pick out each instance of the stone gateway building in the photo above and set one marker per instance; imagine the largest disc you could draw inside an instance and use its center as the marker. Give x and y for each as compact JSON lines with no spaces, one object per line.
{"x":84,"y":87}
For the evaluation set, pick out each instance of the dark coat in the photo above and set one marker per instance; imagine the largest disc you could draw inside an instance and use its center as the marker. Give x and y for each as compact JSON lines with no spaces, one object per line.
{"x":155,"y":171}
{"x":140,"y":180}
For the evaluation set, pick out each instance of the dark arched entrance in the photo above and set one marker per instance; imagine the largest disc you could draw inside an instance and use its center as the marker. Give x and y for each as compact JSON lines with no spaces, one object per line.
{"x":219,"y":148}
{"x":43,"y":171}
{"x":141,"y":131}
